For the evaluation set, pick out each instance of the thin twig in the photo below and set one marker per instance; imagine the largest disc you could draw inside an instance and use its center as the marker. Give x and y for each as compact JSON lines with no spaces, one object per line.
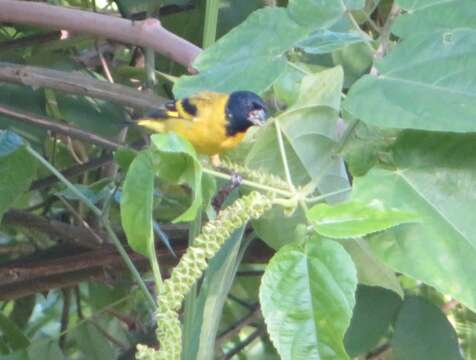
{"x":252,"y":337}
{"x":236,"y":327}
{"x":148,"y":33}
{"x":65,"y":316}
{"x":59,"y":128}
{"x":77,"y":83}
{"x":284,"y":158}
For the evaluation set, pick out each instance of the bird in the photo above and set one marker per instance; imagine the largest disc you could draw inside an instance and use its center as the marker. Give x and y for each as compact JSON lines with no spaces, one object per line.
{"x":212,"y":122}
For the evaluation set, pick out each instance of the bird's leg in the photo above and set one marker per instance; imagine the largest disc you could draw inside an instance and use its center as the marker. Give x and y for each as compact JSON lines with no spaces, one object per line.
{"x":226,"y":190}
{"x":215,"y":159}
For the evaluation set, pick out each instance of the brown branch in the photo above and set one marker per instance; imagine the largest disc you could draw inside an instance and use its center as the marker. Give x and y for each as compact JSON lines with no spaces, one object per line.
{"x":24,"y":277}
{"x":60,"y":128}
{"x":252,"y":337}
{"x":76,"y":83}
{"x":235,"y":328}
{"x":54,"y":229}
{"x":148,"y":33}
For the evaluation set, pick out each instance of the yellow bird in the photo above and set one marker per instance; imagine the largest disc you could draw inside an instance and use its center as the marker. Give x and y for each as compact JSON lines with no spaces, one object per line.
{"x":212,"y":122}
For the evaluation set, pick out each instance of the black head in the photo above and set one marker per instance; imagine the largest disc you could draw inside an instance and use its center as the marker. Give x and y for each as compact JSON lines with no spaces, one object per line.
{"x":243,"y":110}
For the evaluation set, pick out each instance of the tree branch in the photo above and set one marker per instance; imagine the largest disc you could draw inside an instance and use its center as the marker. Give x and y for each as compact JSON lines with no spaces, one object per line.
{"x":60,"y":128}
{"x":75,"y":83}
{"x":148,"y":33}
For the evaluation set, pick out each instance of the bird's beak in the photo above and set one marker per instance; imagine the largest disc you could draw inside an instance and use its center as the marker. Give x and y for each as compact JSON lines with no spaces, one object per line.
{"x":258,"y":117}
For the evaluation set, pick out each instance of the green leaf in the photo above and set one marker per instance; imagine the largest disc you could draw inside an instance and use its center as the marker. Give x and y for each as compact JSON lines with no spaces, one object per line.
{"x":38,"y":350}
{"x":14,"y":337}
{"x":177,"y":162}
{"x":326,"y":41}
{"x":423,"y":332}
{"x":374,"y":311}
{"x":9,"y":142}
{"x":14,"y":96}
{"x":17,"y":169}
{"x":310,"y":127}
{"x":371,"y":271}
{"x":45,"y":350}
{"x":96,"y":115}
{"x":355,"y":219}
{"x":137,"y":203}
{"x":435,"y":17}
{"x":307,"y":297}
{"x":92,"y":343}
{"x":427,"y":82}
{"x":276,"y":228}
{"x":435,"y":176}
{"x":214,"y":289}
{"x":259,"y":45}
{"x":124,"y":158}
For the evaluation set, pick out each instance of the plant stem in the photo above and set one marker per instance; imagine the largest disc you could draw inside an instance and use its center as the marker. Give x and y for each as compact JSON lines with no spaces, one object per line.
{"x":211,"y":21}
{"x":249,"y":183}
{"x":328,"y":195}
{"x":117,"y":243}
{"x":284,"y":159}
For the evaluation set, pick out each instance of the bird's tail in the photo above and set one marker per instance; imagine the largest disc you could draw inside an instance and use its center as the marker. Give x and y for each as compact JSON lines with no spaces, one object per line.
{"x":156,"y":125}
{"x":152,"y":120}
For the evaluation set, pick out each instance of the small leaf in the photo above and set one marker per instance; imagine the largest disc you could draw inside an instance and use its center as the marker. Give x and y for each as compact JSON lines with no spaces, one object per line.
{"x":307,"y":297}
{"x":14,"y":337}
{"x":124,"y":158}
{"x":9,"y":142}
{"x":422,"y":331}
{"x":374,"y":311}
{"x":326,"y":41}
{"x":137,"y":203}
{"x":92,"y":343}
{"x":354,"y":219}
{"x":17,"y":169}
{"x":177,"y":162}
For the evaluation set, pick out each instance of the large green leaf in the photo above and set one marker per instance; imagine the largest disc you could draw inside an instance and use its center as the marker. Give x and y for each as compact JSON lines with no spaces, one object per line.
{"x":17,"y":169}
{"x":307,"y":297}
{"x":259,"y":45}
{"x":428,"y":80}
{"x":354,"y":219}
{"x":177,"y":162}
{"x":374,"y":311}
{"x":423,"y":332}
{"x":439,"y":16}
{"x":310,"y":135}
{"x":434,"y":176}
{"x":137,"y":203}
{"x":310,"y":127}
{"x":371,"y":270}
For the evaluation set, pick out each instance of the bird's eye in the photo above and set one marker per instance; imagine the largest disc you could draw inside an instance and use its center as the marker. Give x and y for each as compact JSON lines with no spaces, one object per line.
{"x":257,"y":106}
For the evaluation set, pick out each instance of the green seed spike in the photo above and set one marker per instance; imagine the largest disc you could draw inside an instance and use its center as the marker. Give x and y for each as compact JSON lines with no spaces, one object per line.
{"x":191,"y":267}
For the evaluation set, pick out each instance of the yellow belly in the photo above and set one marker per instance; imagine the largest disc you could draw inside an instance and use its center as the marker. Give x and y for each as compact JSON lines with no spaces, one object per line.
{"x":209,"y":140}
